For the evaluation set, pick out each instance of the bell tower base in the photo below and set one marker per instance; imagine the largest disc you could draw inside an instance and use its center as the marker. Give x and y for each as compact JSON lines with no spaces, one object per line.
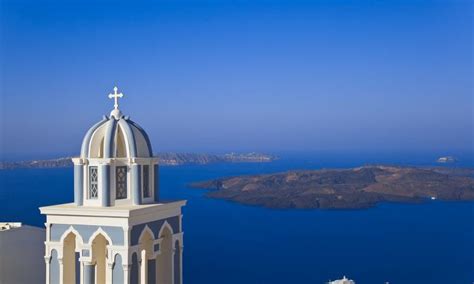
{"x":120,"y":244}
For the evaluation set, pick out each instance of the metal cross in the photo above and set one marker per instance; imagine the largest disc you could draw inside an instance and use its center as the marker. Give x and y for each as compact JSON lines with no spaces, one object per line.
{"x":115,"y":96}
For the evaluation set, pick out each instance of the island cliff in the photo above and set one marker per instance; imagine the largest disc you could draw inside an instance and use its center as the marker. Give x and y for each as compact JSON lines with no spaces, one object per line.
{"x":344,"y":188}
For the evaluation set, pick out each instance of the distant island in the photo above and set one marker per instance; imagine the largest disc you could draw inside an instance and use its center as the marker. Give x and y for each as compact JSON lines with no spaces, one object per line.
{"x":173,"y":159}
{"x":361,"y":187}
{"x":447,"y":159}
{"x":166,"y":159}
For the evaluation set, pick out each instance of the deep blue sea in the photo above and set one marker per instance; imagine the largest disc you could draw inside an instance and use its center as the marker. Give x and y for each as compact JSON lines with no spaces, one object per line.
{"x":226,"y":242}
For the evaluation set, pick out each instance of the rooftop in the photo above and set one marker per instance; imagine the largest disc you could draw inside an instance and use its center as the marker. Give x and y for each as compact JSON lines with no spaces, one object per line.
{"x":4,"y":226}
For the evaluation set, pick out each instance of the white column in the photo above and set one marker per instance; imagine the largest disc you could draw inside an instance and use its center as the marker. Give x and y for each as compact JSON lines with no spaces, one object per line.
{"x":108,"y":273}
{"x":61,"y":270}
{"x":136,"y":182}
{"x":89,"y":272}
{"x":143,"y":268}
{"x":47,"y":260}
{"x":78,"y":183}
{"x":48,"y":231}
{"x":126,"y":272}
{"x":81,"y":271}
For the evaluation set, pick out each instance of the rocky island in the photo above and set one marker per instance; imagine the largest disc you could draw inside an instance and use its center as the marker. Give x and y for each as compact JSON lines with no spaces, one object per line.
{"x":166,"y":159}
{"x":361,"y":187}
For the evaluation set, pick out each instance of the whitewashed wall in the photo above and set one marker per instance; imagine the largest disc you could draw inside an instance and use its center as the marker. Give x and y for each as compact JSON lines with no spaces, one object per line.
{"x":22,"y":255}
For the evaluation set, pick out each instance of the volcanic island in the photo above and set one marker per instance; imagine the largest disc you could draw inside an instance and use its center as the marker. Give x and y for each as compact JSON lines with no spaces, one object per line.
{"x":354,"y":188}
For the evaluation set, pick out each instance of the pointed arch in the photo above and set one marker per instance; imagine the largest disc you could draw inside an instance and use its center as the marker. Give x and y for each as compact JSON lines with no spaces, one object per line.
{"x":163,"y":227}
{"x":71,"y":229}
{"x":70,"y":256}
{"x":100,"y":253}
{"x":164,"y":259}
{"x":144,"y":230}
{"x":146,"y":242}
{"x":97,"y":232}
{"x":100,"y":138}
{"x":147,"y":255}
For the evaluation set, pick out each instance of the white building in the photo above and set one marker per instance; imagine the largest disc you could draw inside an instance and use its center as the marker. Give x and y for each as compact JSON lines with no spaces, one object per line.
{"x":344,"y":280}
{"x":21,"y":254}
{"x":117,"y":230}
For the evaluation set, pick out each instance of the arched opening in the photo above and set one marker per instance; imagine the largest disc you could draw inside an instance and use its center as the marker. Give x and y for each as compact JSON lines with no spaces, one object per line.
{"x":101,"y":149}
{"x":135,"y":269}
{"x":71,"y":268}
{"x":147,"y":264}
{"x":117,"y":270}
{"x":99,"y":257}
{"x":121,"y":148}
{"x":164,"y":263}
{"x":54,"y":268}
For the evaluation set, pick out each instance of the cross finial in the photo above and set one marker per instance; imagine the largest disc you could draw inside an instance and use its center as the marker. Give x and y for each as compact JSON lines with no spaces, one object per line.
{"x":115,"y":96}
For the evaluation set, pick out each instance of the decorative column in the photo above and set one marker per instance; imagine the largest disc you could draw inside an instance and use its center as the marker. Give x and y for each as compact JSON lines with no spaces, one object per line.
{"x":156,"y":182}
{"x":126,"y":272}
{"x":61,"y":271}
{"x":109,"y":272}
{"x":136,"y":184}
{"x":89,"y":273}
{"x":47,"y":260}
{"x":78,"y":182}
{"x":48,"y":231}
{"x":143,"y":267}
{"x":104,"y":171}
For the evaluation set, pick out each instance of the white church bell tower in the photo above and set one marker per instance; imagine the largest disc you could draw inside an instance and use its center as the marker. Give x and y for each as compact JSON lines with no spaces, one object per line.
{"x":117,"y":230}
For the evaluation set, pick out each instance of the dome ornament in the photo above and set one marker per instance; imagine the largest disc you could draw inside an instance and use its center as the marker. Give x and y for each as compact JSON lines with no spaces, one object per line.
{"x":116,"y":112}
{"x":115,"y":96}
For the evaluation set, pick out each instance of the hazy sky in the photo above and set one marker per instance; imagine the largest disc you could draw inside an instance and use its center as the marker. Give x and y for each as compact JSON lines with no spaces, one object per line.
{"x":216,"y":76}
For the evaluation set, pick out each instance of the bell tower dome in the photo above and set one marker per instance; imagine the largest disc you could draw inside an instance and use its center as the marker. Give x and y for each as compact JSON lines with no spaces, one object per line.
{"x":116,"y":164}
{"x":117,"y":230}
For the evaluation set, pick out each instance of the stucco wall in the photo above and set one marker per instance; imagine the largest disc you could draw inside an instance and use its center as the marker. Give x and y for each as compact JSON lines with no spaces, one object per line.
{"x":22,"y":255}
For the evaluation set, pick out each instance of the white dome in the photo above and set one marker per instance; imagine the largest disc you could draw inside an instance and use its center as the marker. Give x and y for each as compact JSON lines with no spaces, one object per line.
{"x":116,"y":136}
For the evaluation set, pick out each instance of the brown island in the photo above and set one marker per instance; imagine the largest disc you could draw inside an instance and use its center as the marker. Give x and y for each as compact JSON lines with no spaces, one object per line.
{"x":361,"y":187}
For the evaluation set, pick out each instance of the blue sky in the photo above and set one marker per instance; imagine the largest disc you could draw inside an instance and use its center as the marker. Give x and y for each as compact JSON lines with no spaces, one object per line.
{"x":217,"y":76}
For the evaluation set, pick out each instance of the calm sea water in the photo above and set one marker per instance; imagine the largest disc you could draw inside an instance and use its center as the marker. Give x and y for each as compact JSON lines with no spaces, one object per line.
{"x":227,"y":242}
